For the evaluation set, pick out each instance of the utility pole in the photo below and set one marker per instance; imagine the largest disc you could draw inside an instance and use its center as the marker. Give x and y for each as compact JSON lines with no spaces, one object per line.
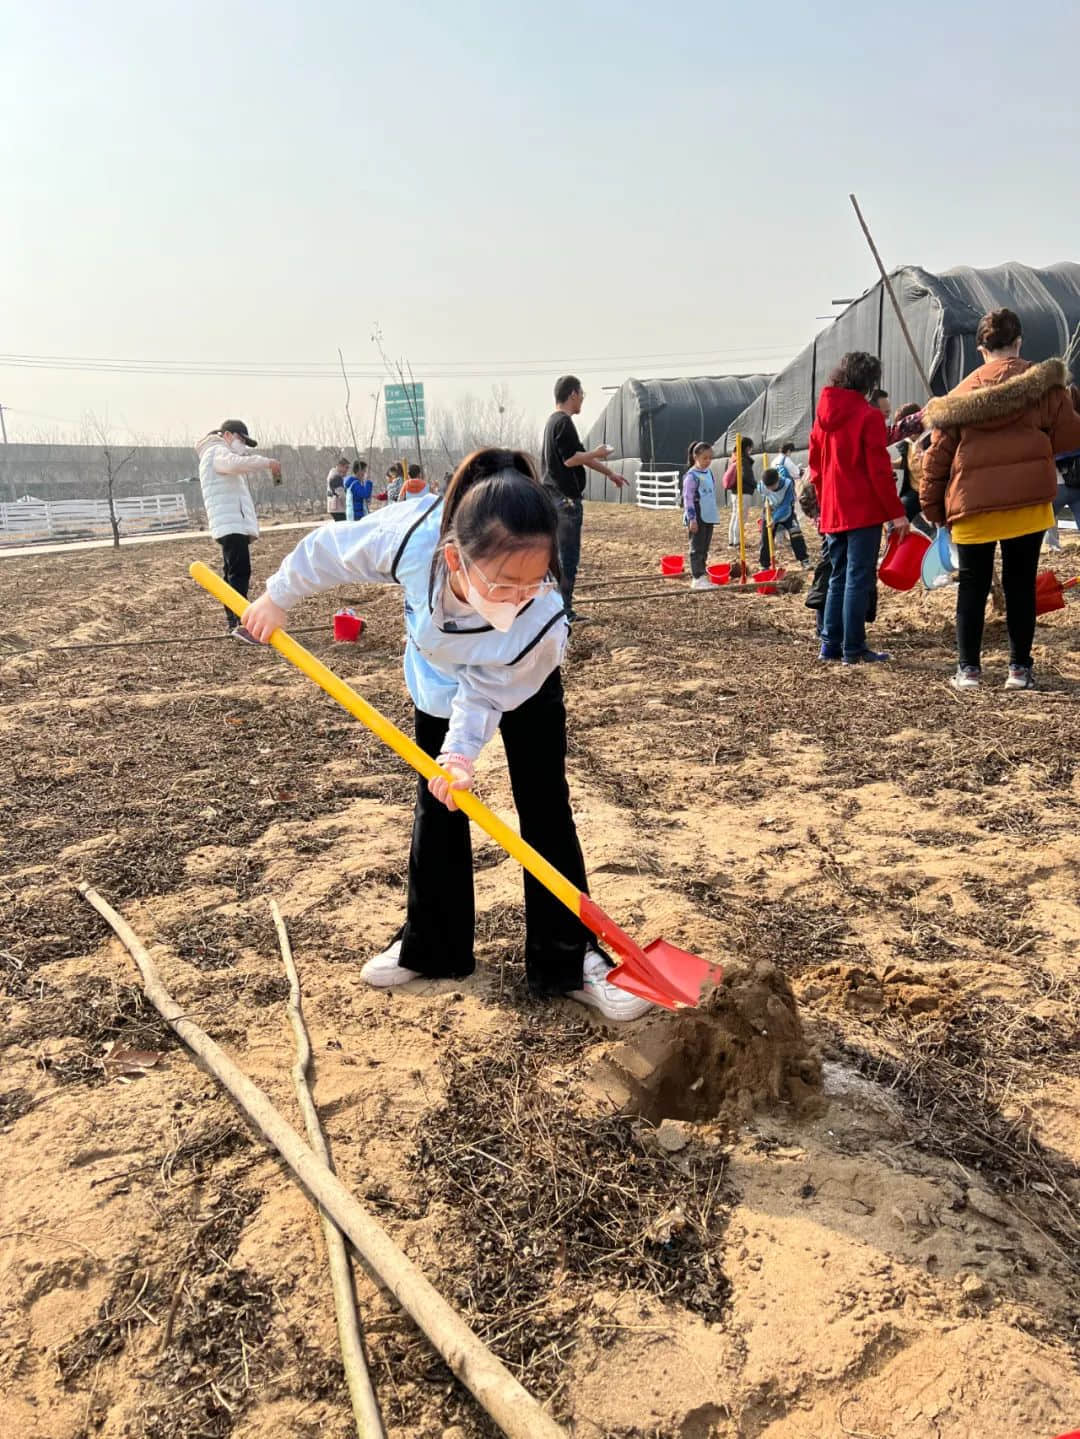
{"x":3,"y":427}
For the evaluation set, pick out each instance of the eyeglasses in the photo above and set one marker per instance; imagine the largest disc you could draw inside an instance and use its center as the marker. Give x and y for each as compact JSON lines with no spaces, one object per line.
{"x":501,"y":594}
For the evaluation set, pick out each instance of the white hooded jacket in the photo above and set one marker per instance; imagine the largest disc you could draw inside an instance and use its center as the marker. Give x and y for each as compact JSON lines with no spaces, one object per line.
{"x":230,"y":509}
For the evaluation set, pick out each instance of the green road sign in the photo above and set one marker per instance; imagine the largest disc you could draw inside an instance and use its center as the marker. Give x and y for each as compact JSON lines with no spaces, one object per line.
{"x":401,"y":401}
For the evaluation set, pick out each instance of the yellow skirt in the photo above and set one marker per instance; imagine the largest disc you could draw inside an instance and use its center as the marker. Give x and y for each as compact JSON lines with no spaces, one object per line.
{"x":1002,"y":524}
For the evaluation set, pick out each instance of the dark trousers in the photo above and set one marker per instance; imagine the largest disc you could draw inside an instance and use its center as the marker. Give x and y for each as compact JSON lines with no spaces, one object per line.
{"x":571,"y":515}
{"x":853,"y":560}
{"x":909,"y":498}
{"x":1019,"y":566}
{"x":236,"y":568}
{"x":437,"y":938}
{"x":699,"y":549}
{"x":798,"y":544}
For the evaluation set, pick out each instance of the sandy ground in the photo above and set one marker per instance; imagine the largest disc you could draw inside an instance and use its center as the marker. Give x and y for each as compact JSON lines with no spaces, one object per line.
{"x":892,"y":1254}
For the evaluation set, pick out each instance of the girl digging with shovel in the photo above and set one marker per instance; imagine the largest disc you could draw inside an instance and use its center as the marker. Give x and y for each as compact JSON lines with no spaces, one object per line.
{"x":486,"y":634}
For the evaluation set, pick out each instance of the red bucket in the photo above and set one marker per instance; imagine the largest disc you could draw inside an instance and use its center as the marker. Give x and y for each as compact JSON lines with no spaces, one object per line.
{"x":672,"y":564}
{"x":347,"y":626}
{"x":719,"y":574}
{"x":901,"y":569}
{"x":766,"y":580}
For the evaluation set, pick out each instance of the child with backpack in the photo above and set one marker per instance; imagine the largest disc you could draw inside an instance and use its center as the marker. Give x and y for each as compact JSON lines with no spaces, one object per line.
{"x":479,"y":571}
{"x":700,"y":511}
{"x":737,"y":523}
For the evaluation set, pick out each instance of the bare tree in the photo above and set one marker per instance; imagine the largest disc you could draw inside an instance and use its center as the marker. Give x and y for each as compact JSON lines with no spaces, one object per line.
{"x":408,"y":388}
{"x":348,"y":398}
{"x":371,"y":437}
{"x":474,"y":421}
{"x":114,"y":462}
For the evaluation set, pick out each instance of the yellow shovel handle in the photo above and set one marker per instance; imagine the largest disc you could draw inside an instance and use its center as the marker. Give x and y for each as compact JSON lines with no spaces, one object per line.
{"x":399,"y":742}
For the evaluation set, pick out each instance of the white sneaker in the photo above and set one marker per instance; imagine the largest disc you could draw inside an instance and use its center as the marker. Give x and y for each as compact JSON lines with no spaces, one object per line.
{"x":384,"y":970}
{"x":1021,"y":677}
{"x":702,"y":583}
{"x":967,"y":677}
{"x":609,"y":999}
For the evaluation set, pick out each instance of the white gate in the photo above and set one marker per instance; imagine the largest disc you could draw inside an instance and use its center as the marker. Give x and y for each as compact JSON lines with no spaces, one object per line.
{"x":658,"y":489}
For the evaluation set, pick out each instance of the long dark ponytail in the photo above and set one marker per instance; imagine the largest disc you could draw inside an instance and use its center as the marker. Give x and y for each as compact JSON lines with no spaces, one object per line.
{"x":495,"y":502}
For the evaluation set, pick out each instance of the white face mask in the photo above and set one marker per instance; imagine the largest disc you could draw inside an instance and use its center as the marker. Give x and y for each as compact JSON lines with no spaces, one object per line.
{"x":237,"y":445}
{"x":500,"y":615}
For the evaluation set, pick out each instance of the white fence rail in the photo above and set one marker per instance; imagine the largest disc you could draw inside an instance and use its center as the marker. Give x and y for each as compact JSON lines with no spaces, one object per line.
{"x":28,"y":519}
{"x":658,"y":489}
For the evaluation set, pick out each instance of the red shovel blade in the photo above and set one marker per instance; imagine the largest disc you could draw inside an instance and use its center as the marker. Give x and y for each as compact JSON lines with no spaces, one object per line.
{"x":661,"y":972}
{"x":674,"y":977}
{"x":685,"y":975}
{"x":1050,"y":592}
{"x":635,"y":983}
{"x":765,"y":580}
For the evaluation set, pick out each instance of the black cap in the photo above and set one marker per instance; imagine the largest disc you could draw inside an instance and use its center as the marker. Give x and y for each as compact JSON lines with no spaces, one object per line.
{"x":237,"y":427}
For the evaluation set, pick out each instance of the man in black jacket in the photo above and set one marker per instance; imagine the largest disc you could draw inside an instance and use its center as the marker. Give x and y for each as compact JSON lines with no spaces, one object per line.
{"x":565,"y":460}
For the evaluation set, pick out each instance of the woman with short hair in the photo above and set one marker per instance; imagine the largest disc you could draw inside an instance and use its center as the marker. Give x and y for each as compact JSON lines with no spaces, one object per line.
{"x":853,"y":477}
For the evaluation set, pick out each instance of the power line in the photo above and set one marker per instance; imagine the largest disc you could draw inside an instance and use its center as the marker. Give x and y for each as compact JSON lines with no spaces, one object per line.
{"x":446,"y":369}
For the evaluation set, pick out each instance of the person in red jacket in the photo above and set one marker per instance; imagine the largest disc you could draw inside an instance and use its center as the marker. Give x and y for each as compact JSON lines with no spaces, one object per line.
{"x":857,"y":494}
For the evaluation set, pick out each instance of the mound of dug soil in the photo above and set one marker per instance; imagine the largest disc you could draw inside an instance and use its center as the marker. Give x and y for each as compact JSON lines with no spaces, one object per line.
{"x":742,"y":1049}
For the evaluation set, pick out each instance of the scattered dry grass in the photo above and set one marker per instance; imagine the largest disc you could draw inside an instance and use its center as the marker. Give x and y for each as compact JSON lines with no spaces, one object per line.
{"x":560,"y":1204}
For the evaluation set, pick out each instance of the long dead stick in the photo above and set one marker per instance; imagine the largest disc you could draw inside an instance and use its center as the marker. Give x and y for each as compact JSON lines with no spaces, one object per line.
{"x":515,"y":1411}
{"x":364,"y":1404}
{"x":892,"y":296}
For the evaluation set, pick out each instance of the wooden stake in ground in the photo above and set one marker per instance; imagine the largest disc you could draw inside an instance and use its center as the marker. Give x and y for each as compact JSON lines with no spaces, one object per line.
{"x":364,"y":1404}
{"x":515,"y":1411}
{"x":892,"y":296}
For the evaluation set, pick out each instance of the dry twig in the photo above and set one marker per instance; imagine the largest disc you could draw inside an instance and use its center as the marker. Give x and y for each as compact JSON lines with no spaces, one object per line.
{"x":364,"y":1404}
{"x":515,"y":1411}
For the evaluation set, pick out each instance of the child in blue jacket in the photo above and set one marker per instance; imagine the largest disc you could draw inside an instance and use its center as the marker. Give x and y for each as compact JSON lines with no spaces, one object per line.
{"x":357,"y":491}
{"x":780,"y":510}
{"x":700,"y":510}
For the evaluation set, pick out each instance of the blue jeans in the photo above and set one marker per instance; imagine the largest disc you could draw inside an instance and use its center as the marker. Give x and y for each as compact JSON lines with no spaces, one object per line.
{"x":853,"y":557}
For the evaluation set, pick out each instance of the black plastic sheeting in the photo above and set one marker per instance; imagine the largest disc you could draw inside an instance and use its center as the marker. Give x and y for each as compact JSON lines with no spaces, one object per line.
{"x":942,"y":313}
{"x":652,"y":423}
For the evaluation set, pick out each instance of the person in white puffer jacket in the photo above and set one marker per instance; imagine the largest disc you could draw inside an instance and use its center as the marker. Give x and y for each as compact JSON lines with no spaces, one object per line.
{"x":225,"y":459}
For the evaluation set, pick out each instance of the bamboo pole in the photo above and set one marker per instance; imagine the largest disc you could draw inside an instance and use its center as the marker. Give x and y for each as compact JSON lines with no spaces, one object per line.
{"x":361,"y":1394}
{"x":892,"y":296}
{"x":515,"y":1411}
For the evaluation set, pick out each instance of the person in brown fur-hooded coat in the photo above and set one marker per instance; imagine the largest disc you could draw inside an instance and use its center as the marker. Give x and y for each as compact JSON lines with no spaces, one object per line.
{"x":989,"y":474}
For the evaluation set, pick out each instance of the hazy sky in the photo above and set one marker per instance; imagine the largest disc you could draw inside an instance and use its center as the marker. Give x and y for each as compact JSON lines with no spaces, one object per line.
{"x":511,"y":189}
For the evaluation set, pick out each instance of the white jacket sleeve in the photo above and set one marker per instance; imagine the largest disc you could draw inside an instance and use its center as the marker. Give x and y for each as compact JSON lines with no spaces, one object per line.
{"x":486,"y":692}
{"x":360,"y":553}
{"x":229,"y":464}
